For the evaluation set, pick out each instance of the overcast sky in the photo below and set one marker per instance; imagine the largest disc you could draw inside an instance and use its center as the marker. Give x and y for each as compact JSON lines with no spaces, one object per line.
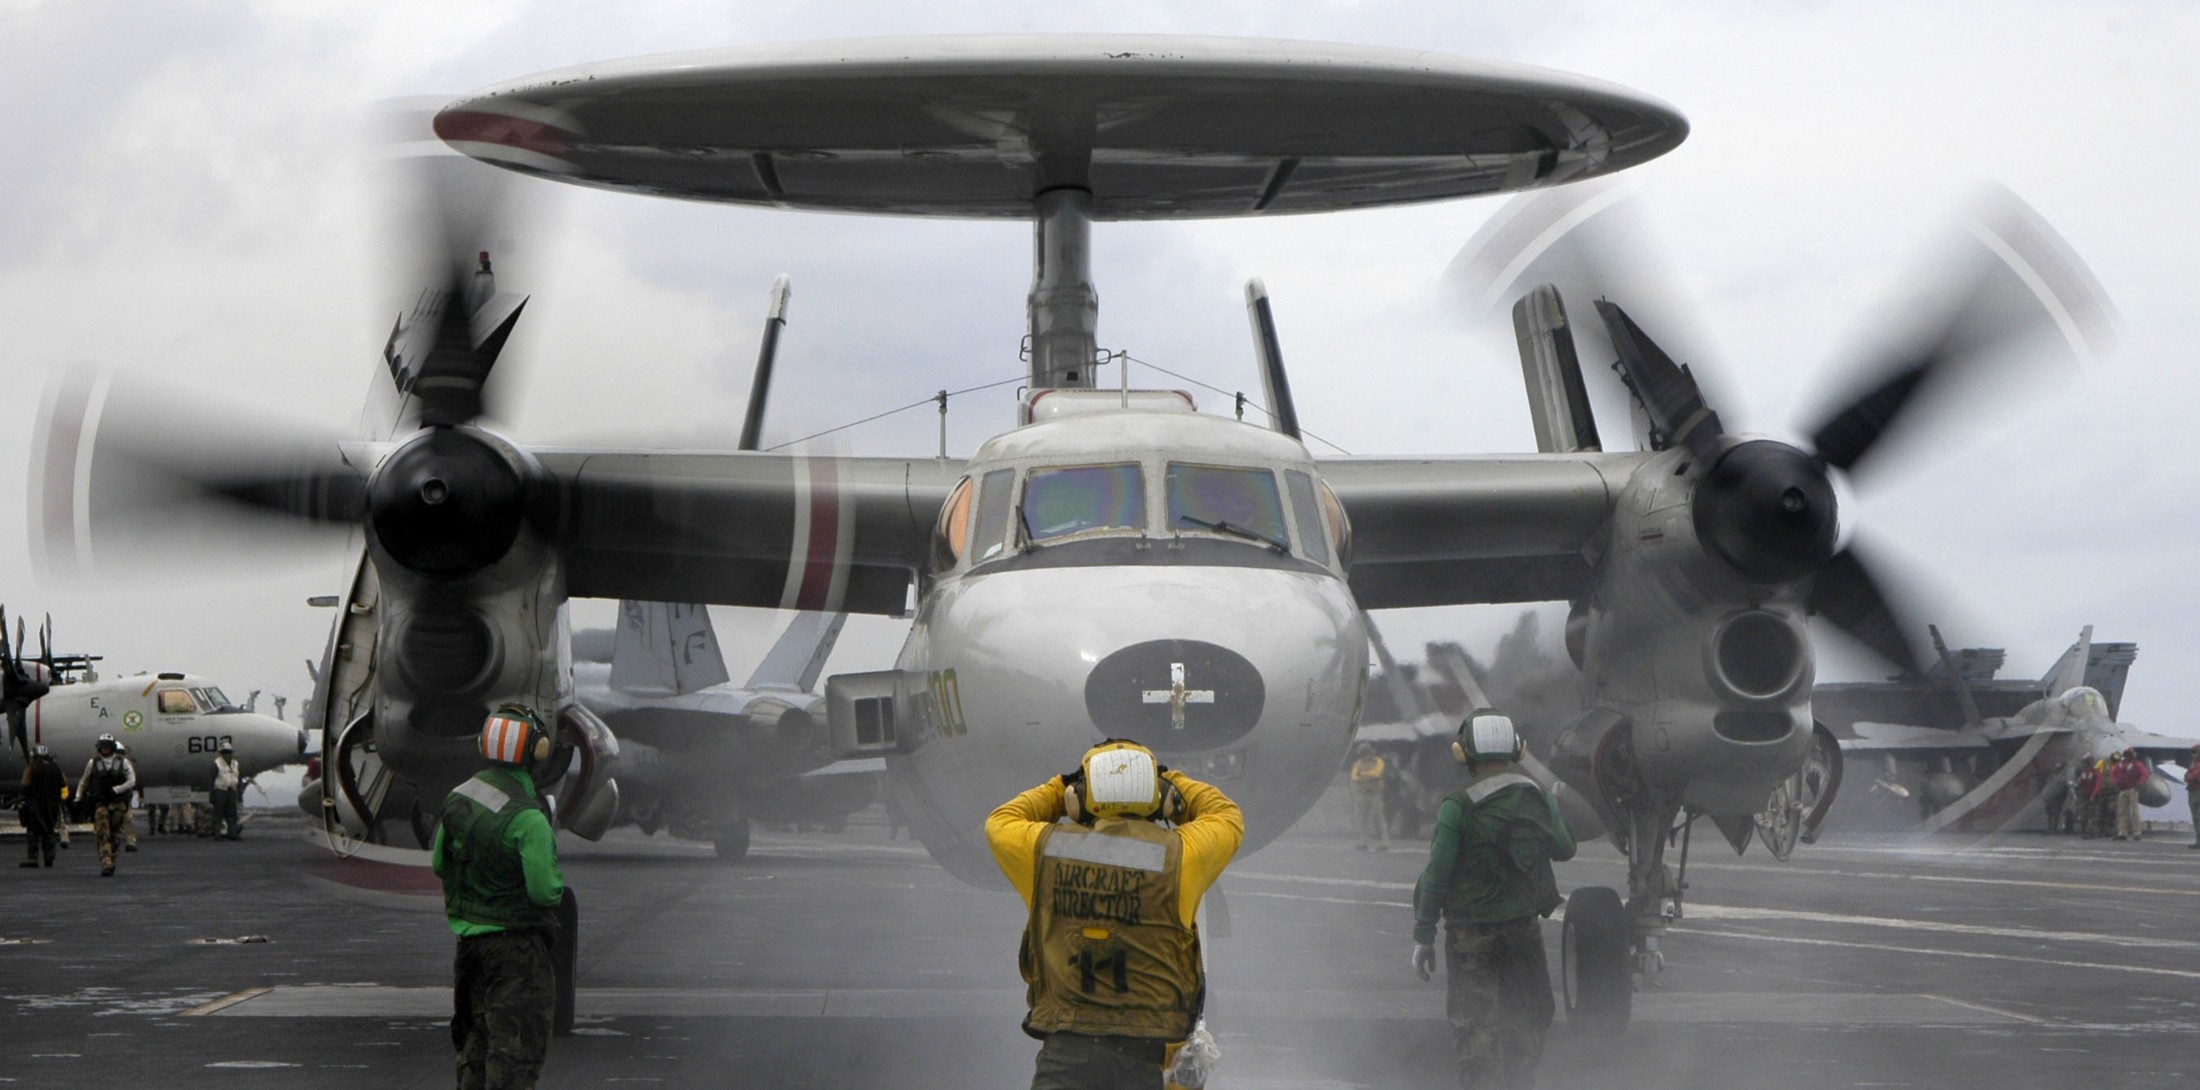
{"x":184,"y":195}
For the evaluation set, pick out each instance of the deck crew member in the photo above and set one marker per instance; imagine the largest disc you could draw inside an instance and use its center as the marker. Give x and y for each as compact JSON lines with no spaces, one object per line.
{"x":1370,"y":778}
{"x":1489,"y":878}
{"x":2192,"y":793}
{"x":2129,"y":774}
{"x":129,"y":802}
{"x":1110,"y":955}
{"x":227,"y":793}
{"x":105,"y":787}
{"x":498,"y":858}
{"x":44,"y":784}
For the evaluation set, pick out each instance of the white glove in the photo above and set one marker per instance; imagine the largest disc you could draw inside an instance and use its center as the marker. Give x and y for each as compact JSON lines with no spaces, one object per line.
{"x":1424,"y":959}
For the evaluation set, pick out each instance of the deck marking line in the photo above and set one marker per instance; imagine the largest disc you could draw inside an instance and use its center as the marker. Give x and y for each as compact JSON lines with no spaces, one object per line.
{"x":2027,"y":882}
{"x":1797,"y":940}
{"x":1318,"y":900}
{"x":2033,"y":934}
{"x":225,"y":1002}
{"x":2002,"y":1011}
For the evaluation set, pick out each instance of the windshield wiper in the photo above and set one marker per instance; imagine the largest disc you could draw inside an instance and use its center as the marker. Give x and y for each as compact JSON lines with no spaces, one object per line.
{"x":1222,"y":526}
{"x":1025,"y":539}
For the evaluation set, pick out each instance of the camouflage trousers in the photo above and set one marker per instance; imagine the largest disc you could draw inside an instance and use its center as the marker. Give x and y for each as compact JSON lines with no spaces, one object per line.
{"x":1499,"y":1001}
{"x":1077,"y":1061}
{"x":110,"y":824}
{"x":504,"y":999}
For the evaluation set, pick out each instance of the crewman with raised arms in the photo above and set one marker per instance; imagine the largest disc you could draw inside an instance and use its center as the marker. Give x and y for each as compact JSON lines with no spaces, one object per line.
{"x":1110,"y":956}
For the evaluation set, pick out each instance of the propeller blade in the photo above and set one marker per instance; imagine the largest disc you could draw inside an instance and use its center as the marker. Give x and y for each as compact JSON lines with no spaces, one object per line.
{"x":2009,"y":291}
{"x":1847,"y":593}
{"x":446,"y":215}
{"x":1589,"y":241}
{"x":1667,"y":390}
{"x":136,"y":474}
{"x":451,"y":379}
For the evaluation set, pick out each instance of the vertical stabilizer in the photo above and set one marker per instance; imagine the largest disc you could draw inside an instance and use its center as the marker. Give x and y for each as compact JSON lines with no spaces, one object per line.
{"x":665,"y":647}
{"x":799,"y":657}
{"x":1403,"y":692}
{"x":1450,"y":660}
{"x":2069,"y":670}
{"x":2107,"y":668}
{"x":1558,"y":402}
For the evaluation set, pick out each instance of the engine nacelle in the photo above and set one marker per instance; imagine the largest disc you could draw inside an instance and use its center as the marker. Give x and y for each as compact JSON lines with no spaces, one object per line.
{"x":472,"y":612}
{"x":1707,"y":672}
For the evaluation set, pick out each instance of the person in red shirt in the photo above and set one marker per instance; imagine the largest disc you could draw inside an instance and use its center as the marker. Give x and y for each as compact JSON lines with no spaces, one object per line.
{"x":2128,"y":774}
{"x":2192,"y":793}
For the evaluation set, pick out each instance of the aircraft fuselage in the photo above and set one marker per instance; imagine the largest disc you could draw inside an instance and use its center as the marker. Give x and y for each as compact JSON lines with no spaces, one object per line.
{"x":1103,"y":577}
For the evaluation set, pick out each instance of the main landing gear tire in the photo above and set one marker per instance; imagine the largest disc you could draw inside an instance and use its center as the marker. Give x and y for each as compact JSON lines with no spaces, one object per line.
{"x":732,"y":841}
{"x":1593,"y":962}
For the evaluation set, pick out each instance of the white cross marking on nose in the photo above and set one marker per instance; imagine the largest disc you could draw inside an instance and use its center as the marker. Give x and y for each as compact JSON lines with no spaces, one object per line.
{"x":1176,"y":696}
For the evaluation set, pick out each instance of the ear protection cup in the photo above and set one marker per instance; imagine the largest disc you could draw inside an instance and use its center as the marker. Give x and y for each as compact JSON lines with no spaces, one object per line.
{"x":1459,"y":753}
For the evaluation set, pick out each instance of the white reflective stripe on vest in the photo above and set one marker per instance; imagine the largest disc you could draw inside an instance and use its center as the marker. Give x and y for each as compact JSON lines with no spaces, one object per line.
{"x":1494,"y":784}
{"x":484,"y":794}
{"x":1108,"y":851}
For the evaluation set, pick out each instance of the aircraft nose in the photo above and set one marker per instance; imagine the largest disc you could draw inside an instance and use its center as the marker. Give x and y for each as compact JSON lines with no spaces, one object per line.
{"x":1175,"y":695}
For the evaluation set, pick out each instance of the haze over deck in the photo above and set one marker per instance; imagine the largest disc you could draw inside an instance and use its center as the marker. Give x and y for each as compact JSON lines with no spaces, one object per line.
{"x":977,"y":126}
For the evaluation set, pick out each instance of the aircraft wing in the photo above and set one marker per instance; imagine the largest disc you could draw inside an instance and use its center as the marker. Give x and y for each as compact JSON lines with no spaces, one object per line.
{"x":2156,"y":747}
{"x":746,"y":528}
{"x":1904,"y":740}
{"x":1463,"y":530}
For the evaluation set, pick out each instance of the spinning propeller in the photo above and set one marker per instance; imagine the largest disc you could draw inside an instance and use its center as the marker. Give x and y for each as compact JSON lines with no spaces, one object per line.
{"x":1767,"y":507}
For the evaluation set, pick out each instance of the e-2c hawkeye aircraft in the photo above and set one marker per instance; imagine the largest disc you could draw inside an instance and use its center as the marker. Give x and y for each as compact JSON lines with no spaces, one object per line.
{"x":172,"y":723}
{"x":1115,"y":563}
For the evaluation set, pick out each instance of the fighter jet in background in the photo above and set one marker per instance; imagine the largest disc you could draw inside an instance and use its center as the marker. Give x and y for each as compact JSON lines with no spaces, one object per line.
{"x":1988,"y":772}
{"x":701,"y":757}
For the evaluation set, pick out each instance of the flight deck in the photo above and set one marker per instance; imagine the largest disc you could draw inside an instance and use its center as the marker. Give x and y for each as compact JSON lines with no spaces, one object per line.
{"x":852,"y":960}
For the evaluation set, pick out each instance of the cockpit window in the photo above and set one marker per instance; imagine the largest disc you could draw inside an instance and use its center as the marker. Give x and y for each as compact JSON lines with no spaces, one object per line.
{"x":987,"y":534}
{"x":1228,"y":500}
{"x":951,"y":536}
{"x":2086,"y":702}
{"x":219,"y":699}
{"x":1308,"y":515}
{"x":175,"y":702}
{"x":1060,"y":502}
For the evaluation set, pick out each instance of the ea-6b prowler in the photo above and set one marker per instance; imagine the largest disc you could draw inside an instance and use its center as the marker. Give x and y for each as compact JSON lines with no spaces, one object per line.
{"x":1116,"y":564}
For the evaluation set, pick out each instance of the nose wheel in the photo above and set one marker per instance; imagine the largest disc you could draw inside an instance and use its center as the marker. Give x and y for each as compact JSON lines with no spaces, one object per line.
{"x":731,"y":840}
{"x":1594,"y":962}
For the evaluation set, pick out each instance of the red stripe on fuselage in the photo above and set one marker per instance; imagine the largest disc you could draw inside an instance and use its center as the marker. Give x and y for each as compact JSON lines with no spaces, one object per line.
{"x":822,"y":555}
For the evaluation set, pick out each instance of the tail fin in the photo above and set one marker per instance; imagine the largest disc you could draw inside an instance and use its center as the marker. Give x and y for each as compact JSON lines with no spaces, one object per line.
{"x":665,"y":647}
{"x":2106,"y":670}
{"x":799,"y":657}
{"x":2069,"y":670}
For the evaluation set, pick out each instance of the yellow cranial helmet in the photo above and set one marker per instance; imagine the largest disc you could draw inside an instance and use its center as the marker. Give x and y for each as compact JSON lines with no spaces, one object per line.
{"x":1122,"y":779}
